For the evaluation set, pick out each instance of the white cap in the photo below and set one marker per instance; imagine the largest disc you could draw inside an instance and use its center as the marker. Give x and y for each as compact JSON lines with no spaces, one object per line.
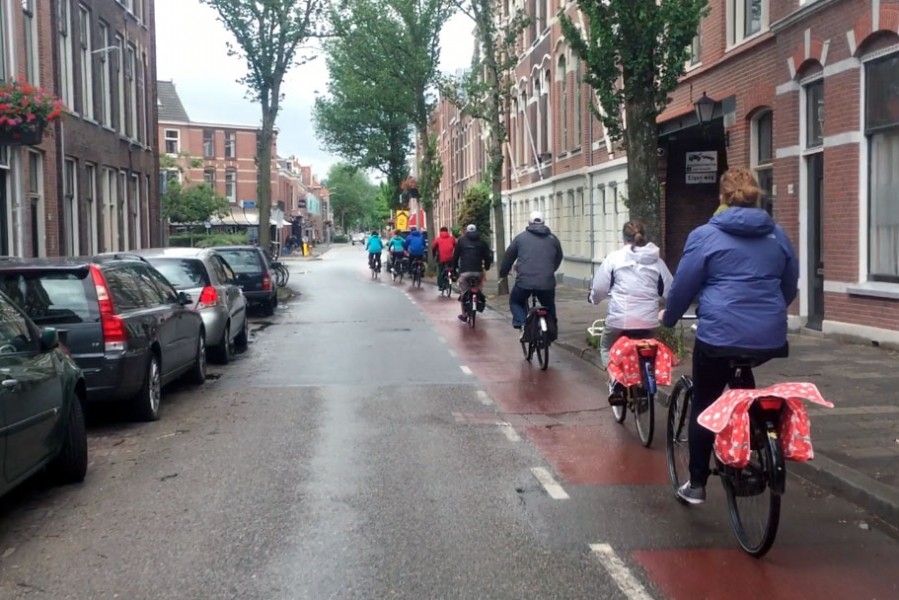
{"x":471,"y":228}
{"x":536,"y":217}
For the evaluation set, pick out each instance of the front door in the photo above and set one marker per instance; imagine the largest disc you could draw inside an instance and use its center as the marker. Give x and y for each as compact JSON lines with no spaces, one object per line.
{"x":815,"y":241}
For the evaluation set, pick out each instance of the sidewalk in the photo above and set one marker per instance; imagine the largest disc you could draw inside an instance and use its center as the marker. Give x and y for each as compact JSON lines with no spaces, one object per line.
{"x":856,"y":442}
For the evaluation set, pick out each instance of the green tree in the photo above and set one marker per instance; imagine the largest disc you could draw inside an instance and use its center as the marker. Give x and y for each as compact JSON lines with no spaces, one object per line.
{"x":352,"y":195}
{"x":379,"y":211}
{"x":476,"y":208}
{"x":485,"y":93}
{"x":192,"y":203}
{"x":635,"y":51}
{"x":268,"y":35}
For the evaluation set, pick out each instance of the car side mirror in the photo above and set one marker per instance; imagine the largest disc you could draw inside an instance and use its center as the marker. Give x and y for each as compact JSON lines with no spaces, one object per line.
{"x":49,"y":339}
{"x":184,"y":299}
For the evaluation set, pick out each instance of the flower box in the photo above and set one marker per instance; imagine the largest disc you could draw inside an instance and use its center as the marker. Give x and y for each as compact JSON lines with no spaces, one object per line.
{"x":22,"y":135}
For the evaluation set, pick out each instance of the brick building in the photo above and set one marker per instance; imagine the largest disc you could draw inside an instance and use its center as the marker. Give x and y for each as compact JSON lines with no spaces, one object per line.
{"x":91,"y":185}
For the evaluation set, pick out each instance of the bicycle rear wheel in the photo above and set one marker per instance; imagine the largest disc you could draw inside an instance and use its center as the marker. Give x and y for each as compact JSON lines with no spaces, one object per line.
{"x":644,"y":415}
{"x":472,"y":315}
{"x":677,"y":443}
{"x":619,"y":411}
{"x":542,"y":350}
{"x":752,"y":503}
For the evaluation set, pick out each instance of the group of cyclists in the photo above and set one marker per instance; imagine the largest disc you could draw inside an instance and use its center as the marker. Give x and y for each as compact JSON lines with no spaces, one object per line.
{"x":740,"y":268}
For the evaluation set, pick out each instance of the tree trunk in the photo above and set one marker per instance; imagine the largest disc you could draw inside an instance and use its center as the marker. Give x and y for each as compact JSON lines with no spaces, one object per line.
{"x":264,"y":177}
{"x":641,"y":139}
{"x":499,"y":217}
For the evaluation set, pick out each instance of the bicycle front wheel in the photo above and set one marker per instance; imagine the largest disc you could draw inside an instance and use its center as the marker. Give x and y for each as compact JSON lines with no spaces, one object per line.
{"x":753,"y":505}
{"x":677,"y":443}
{"x":644,"y":414}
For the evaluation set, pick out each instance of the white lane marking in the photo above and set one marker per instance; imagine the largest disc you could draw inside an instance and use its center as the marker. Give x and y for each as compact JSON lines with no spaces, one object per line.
{"x":484,"y":398}
{"x":627,"y":583}
{"x":452,"y":353}
{"x":509,"y":432}
{"x":442,"y":339}
{"x":555,"y":491}
{"x":465,"y":370}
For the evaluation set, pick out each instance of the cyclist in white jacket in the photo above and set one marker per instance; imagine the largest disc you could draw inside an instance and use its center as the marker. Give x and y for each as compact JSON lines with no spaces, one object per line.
{"x":636,"y":280}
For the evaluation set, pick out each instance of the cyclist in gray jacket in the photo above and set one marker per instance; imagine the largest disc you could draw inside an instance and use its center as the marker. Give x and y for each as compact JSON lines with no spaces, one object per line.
{"x":539,"y":255}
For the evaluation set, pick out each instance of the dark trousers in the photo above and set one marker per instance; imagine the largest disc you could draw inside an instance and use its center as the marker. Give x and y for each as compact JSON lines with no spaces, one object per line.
{"x":518,"y":303}
{"x":711,"y":374}
{"x":442,"y":270}
{"x":374,"y":260}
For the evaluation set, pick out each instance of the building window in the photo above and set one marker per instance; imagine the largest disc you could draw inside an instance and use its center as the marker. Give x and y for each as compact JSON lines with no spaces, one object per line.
{"x":695,"y":51}
{"x":230,"y":144}
{"x":131,"y":76}
{"x":120,"y":74}
{"x":746,"y":18}
{"x":172,"y":141}
{"x":208,"y":143}
{"x":882,"y":130}
{"x":105,"y":76}
{"x":3,"y":43}
{"x":562,"y":76}
{"x":87,"y":70}
{"x":124,"y":237}
{"x":144,"y":99}
{"x":231,"y":185}
{"x":66,"y":68}
{"x":70,"y":207}
{"x":578,"y":103}
{"x":36,"y":202}
{"x":209,"y":177}
{"x":92,"y":203}
{"x":814,"y":114}
{"x":32,"y":72}
{"x":763,"y":155}
{"x":134,"y":193}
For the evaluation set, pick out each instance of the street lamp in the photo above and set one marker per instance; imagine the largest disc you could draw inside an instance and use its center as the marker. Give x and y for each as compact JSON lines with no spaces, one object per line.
{"x":705,"y":108}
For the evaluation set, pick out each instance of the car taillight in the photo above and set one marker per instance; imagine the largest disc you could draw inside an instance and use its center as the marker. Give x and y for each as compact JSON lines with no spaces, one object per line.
{"x":266,"y":282}
{"x":114,"y":337}
{"x":208,"y":297}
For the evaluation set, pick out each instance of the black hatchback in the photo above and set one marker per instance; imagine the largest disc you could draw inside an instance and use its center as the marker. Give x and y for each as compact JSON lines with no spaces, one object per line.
{"x":254,"y":275}
{"x":126,"y":326}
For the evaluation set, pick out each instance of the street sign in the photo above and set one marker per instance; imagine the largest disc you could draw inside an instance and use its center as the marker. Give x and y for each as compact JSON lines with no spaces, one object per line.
{"x":248,"y":204}
{"x":402,"y":220}
{"x":207,"y":225}
{"x":702,"y":167}
{"x":301,"y":203}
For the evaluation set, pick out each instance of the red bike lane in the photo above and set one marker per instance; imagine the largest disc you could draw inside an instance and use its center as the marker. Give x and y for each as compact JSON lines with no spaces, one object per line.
{"x":826,"y":548}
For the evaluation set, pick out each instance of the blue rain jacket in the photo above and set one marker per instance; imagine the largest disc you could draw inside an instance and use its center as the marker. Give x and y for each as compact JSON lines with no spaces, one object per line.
{"x":744,"y":271}
{"x":374,"y":245}
{"x":415,"y":243}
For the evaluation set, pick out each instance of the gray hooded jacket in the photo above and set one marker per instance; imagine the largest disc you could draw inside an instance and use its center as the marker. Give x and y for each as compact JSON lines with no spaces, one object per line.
{"x":539,"y":255}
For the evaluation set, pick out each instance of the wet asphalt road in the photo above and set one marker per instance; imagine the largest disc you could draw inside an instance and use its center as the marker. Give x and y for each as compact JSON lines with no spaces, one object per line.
{"x":370,"y":446}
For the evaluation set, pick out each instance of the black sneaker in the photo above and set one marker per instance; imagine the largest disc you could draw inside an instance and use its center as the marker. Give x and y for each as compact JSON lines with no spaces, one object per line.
{"x":616,"y":394}
{"x":463,"y":318}
{"x":690,"y":494}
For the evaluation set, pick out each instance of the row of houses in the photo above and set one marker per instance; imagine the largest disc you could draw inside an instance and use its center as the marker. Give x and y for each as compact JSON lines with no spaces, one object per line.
{"x":804,"y":92}
{"x":93,"y":183}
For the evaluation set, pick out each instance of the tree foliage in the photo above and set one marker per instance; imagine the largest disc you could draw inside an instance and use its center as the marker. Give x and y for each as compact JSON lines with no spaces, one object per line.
{"x":269,"y":35}
{"x":485,"y":92}
{"x":476,"y":208}
{"x":352,"y":196}
{"x":635,"y":51}
{"x":192,"y":203}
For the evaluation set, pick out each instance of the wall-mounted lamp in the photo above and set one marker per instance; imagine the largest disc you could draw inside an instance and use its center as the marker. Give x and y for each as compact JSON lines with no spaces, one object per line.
{"x":705,"y":108}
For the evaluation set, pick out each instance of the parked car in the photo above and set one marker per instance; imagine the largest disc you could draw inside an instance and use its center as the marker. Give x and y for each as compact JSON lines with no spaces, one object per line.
{"x":359,"y":238}
{"x":127,"y":327}
{"x":254,"y":275}
{"x":209,"y":279}
{"x":41,"y":395}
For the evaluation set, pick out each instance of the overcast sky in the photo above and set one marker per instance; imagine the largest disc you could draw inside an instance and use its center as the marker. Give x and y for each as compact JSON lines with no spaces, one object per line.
{"x":190,"y":50}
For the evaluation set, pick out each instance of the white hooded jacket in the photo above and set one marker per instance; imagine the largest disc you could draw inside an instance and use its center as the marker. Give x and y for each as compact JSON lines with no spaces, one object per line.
{"x":636,"y":279}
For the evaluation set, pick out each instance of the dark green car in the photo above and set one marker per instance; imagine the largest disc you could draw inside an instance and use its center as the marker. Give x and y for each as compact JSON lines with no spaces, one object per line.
{"x":41,"y":403}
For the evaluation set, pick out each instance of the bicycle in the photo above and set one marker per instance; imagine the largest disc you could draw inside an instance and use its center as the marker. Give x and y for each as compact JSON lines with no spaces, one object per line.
{"x":399,"y":269}
{"x":282,"y":275}
{"x":763,"y":477}
{"x":535,"y":334}
{"x":417,"y":270}
{"x":444,"y":285}
{"x":472,"y":302}
{"x":639,"y":397}
{"x":374,"y":263}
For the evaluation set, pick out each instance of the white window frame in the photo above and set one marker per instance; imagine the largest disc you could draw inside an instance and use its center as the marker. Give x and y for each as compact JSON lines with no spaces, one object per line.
{"x":736,"y":22}
{"x":36,"y":197}
{"x":93,"y":209}
{"x":756,"y":145}
{"x":110,"y":216}
{"x":136,"y":243}
{"x":70,"y":207}
{"x":87,"y":65}
{"x":122,"y":200}
{"x":230,"y":144}
{"x":131,"y":74}
{"x":32,"y":66}
{"x":120,"y":63}
{"x":209,"y":145}
{"x":105,"y":76}
{"x":144,"y":98}
{"x":5,"y":33}
{"x":172,"y":135}
{"x":66,"y":50}
{"x":231,"y":182}
{"x":210,"y":181}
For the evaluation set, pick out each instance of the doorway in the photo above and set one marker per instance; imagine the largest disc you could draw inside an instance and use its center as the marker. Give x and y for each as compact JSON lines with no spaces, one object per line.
{"x":815,"y":164}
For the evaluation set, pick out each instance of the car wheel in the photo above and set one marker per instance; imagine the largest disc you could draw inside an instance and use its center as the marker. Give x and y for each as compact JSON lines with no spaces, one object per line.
{"x":148,"y":399}
{"x":224,"y":349}
{"x":70,"y":465}
{"x":197,"y":373}
{"x":242,"y":340}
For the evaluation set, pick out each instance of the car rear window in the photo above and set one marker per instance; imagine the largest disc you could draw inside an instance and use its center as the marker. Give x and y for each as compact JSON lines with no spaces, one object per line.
{"x":242,"y":261}
{"x":183,"y":273}
{"x":52,"y":296}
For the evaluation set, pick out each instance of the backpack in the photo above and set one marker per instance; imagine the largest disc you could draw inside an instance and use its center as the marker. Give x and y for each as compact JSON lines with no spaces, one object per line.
{"x":532,"y":327}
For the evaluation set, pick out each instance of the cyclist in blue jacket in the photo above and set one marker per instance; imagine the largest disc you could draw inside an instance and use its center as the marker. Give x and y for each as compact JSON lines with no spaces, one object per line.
{"x":397,"y":248}
{"x":743,"y":269}
{"x":375,"y":246}
{"x":416,"y":245}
